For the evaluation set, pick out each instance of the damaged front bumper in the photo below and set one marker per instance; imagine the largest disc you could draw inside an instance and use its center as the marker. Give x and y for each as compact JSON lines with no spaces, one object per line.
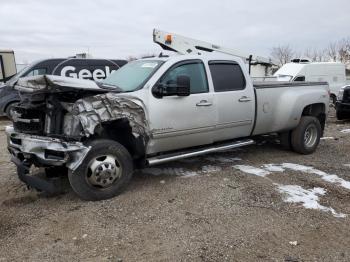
{"x":45,"y":151}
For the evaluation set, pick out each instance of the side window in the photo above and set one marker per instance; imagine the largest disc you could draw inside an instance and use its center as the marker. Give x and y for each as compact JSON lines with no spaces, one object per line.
{"x":37,"y":72}
{"x":196,"y":73}
{"x":300,"y":79}
{"x":227,"y":76}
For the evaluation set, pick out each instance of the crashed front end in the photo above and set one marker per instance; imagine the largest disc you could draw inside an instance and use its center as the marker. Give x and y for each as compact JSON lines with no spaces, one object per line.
{"x":57,"y":115}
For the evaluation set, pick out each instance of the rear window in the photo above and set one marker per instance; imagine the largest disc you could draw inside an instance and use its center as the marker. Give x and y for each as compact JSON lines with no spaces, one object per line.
{"x":227,"y":76}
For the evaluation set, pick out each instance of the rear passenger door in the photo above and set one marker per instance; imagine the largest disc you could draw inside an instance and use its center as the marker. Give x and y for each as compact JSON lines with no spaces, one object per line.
{"x":234,"y":100}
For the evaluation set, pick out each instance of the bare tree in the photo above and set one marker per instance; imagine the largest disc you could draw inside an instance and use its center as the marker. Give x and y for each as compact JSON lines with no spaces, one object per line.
{"x":315,"y":55}
{"x":335,"y":51}
{"x":332,"y":51}
{"x":282,"y":54}
{"x":344,"y":50}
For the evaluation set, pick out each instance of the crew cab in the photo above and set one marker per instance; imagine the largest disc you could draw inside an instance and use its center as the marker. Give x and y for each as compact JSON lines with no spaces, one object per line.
{"x":152,"y":111}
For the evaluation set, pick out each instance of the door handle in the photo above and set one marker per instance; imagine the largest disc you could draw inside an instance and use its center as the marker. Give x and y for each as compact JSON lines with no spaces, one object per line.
{"x":204,"y":103}
{"x":244,"y":99}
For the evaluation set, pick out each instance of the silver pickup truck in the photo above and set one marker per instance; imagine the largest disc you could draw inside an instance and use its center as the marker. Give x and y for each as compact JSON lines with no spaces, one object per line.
{"x":152,"y":111}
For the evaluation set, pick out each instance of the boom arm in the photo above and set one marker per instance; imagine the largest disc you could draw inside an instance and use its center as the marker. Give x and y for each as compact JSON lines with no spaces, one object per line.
{"x":186,"y":45}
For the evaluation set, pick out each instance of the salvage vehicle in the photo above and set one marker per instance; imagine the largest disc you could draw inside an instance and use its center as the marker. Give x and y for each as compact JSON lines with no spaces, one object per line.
{"x":93,"y":69}
{"x":152,"y":111}
{"x":343,"y":103}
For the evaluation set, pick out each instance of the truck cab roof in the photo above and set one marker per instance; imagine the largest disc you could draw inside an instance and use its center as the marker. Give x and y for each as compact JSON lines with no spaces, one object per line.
{"x":204,"y":56}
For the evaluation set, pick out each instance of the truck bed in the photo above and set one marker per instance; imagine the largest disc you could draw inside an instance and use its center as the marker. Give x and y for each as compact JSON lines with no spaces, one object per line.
{"x":279,"y":105}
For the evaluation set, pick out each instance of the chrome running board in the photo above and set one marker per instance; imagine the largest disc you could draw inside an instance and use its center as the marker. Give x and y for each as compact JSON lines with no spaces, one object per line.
{"x":202,"y":151}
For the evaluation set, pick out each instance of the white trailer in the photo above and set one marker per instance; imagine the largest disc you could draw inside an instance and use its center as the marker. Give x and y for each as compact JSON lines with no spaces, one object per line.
{"x":7,"y":65}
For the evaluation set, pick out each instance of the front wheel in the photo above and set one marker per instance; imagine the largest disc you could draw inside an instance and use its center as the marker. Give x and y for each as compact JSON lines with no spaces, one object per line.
{"x":104,"y":173}
{"x":9,"y":111}
{"x":306,"y":136}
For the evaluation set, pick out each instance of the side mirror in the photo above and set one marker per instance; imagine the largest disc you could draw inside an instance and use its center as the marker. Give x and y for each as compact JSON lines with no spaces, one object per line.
{"x":181,"y":88}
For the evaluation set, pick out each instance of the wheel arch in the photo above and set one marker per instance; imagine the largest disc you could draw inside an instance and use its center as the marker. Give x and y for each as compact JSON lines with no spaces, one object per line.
{"x":317,"y":110}
{"x":120,"y":131}
{"x":8,"y":103}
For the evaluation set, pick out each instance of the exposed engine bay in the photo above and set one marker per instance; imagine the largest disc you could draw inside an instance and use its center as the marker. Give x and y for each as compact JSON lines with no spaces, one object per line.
{"x":56,"y":115}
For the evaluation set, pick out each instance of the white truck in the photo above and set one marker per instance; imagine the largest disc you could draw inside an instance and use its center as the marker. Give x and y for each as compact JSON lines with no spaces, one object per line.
{"x":331,"y":72}
{"x":152,"y":111}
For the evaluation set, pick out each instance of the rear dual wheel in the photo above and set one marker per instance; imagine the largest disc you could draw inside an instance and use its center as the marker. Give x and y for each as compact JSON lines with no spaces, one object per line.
{"x":305,"y":138}
{"x":104,"y":173}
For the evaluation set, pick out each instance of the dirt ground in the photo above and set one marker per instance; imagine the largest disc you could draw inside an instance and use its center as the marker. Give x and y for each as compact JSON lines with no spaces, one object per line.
{"x":226,"y":206}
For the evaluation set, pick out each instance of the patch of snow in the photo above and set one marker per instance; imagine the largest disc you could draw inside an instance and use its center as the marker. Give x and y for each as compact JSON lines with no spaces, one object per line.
{"x":326,"y":177}
{"x":273,"y":168}
{"x":327,"y":138}
{"x":308,"y":198}
{"x":345,"y":131}
{"x":252,"y":170}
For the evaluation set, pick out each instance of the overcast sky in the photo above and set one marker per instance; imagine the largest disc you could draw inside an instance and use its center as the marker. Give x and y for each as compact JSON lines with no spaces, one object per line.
{"x":38,"y":29}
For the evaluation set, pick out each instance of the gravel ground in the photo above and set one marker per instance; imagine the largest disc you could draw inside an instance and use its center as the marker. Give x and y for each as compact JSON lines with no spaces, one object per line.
{"x":202,"y":209}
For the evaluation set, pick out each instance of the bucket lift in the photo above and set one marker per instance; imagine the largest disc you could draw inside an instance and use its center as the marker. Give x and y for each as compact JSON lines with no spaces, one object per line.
{"x":185,"y":45}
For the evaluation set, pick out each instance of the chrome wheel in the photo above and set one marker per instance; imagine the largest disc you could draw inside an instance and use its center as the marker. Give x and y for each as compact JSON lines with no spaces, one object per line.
{"x":310,"y":136}
{"x":103,"y":171}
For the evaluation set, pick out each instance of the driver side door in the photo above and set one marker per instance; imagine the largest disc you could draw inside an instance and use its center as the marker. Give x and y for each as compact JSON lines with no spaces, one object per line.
{"x":180,"y":122}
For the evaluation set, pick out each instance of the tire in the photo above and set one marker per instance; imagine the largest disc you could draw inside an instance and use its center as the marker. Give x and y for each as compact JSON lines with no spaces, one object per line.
{"x":9,"y":108}
{"x":285,"y":140}
{"x":341,"y":115}
{"x":104,"y":173}
{"x":306,"y":136}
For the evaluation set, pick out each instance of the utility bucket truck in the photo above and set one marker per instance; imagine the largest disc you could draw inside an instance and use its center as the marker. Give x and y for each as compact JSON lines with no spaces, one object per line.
{"x":152,"y":111}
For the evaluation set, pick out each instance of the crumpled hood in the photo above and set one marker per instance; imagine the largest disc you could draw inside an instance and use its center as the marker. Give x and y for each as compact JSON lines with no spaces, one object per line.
{"x":53,"y":83}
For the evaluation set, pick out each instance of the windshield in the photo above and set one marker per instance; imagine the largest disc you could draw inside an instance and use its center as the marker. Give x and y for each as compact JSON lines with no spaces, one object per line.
{"x":133,"y":75}
{"x":284,"y":77}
